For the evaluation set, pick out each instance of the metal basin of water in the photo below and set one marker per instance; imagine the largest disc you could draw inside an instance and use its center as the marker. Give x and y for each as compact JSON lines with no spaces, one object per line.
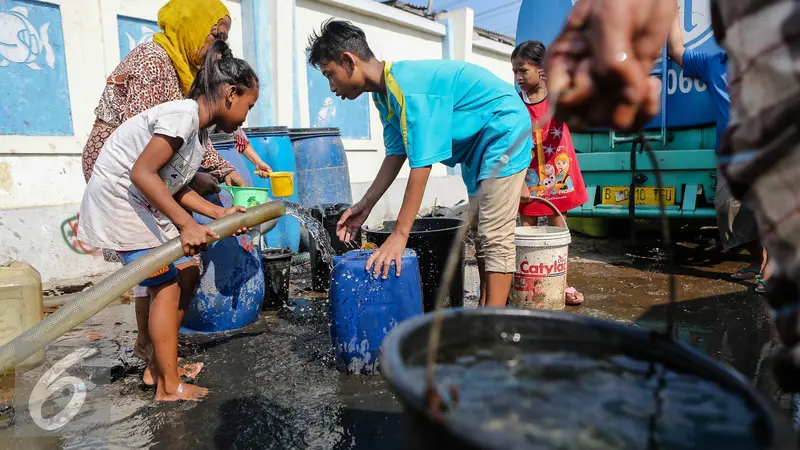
{"x":520,"y":391}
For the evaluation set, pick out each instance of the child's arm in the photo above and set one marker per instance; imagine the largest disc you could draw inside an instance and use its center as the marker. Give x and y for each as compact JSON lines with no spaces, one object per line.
{"x":412,"y":200}
{"x":386,"y":175}
{"x":392,"y":249}
{"x":194,"y":202}
{"x":675,"y":46}
{"x":695,"y":64}
{"x":424,"y":136}
{"x":525,"y":193}
{"x":144,"y":176}
{"x":262,"y":168}
{"x":353,"y":219}
{"x":244,"y":147}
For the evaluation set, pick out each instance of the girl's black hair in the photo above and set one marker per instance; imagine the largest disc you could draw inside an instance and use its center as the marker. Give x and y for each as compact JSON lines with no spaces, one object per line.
{"x":219,"y":68}
{"x":334,"y":38}
{"x":531,"y":51}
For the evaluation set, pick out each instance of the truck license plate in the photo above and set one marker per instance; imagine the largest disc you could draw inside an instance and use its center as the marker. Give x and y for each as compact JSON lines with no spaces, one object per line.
{"x":646,"y":196}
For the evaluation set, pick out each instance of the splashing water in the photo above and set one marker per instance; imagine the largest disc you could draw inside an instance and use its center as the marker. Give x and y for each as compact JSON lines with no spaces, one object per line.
{"x":315,"y":228}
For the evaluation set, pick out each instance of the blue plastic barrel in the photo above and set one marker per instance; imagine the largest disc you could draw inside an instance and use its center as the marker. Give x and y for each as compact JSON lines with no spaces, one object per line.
{"x":323,"y":176}
{"x":226,"y":147}
{"x":688,"y":103}
{"x":275,"y":148}
{"x":364,"y":309}
{"x":231,"y":288}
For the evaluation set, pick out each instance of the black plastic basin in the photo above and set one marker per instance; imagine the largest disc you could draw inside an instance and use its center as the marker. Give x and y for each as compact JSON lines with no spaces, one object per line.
{"x":328,"y":215}
{"x":534,"y":332}
{"x":432,"y":239}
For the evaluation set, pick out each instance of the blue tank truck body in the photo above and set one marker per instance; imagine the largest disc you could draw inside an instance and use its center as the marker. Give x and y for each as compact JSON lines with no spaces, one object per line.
{"x":682,"y":134}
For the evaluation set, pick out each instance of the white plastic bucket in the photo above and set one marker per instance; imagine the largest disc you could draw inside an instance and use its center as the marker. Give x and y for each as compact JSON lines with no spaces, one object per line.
{"x":541,"y":272}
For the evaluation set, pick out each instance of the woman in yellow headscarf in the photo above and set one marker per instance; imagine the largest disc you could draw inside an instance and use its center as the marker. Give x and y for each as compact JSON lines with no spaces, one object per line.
{"x":162,"y":71}
{"x":158,"y":72}
{"x":189,"y":28}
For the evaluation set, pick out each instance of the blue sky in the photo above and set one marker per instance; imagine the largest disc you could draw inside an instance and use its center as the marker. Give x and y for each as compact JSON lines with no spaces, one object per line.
{"x":499,"y":16}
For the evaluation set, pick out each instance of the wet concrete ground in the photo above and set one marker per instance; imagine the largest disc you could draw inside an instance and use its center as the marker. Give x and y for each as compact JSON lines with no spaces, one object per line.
{"x":274,"y":384}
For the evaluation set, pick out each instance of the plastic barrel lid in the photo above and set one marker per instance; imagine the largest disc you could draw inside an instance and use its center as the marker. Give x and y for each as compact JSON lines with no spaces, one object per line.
{"x":308,"y":132}
{"x":364,"y":254}
{"x":221,"y":138}
{"x":266,"y":130}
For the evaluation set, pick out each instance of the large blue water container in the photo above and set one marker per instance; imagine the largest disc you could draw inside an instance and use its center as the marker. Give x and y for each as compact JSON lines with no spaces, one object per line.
{"x":364,"y":309}
{"x":231,"y":288}
{"x":688,"y":103}
{"x":323,"y":176}
{"x":225,"y":145}
{"x":275,"y":148}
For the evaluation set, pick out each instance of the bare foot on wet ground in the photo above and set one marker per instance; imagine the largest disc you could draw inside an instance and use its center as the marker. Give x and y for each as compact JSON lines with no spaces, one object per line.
{"x":187,"y":392}
{"x":145,"y":351}
{"x":188,"y":371}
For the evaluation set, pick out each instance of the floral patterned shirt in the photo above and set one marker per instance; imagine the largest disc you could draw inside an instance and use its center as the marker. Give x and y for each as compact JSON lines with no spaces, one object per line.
{"x":144,"y":79}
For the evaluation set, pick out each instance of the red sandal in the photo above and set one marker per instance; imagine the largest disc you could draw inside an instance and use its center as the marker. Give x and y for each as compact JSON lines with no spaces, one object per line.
{"x":577,"y":297}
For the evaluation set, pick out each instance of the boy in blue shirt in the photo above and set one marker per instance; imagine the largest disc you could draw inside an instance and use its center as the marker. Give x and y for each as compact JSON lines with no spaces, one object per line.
{"x":436,"y":111}
{"x":737,"y":223}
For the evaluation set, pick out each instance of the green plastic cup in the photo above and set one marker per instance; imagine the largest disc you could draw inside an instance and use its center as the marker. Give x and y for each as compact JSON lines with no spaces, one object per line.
{"x":247,"y":196}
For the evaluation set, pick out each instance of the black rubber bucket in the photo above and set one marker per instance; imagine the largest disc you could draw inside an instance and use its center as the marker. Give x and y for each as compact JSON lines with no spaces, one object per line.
{"x":277,"y":272}
{"x":543,"y":333}
{"x":432,"y":239}
{"x":328,"y":215}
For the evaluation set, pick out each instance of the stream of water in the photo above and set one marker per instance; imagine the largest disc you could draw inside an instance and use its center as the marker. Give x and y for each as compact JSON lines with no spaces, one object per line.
{"x":318,"y":233}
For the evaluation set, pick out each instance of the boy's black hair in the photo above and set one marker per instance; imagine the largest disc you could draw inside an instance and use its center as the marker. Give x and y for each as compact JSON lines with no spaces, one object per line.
{"x":532,"y":51}
{"x":334,"y":38}
{"x":220,"y":67}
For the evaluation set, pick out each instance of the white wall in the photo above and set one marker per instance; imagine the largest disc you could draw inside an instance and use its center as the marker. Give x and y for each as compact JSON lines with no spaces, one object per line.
{"x":34,"y":235}
{"x":494,"y":56}
{"x":26,"y":162}
{"x":41,"y":177}
{"x":396,"y":35}
{"x":41,"y":180}
{"x":386,"y":28}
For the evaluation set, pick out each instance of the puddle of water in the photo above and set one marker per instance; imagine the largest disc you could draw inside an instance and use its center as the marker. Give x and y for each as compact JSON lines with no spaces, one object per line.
{"x":274,"y":385}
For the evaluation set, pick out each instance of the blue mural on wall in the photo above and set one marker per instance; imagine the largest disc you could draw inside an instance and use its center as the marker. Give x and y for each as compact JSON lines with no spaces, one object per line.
{"x":327,"y":110}
{"x":34,"y":94}
{"x":132,"y":32}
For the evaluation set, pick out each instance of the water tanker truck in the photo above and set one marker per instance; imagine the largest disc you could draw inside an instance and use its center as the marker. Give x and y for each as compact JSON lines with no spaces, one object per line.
{"x":682,"y":134}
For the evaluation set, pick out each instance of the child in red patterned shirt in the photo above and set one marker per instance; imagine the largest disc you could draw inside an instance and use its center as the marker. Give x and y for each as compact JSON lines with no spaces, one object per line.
{"x":554,"y":174}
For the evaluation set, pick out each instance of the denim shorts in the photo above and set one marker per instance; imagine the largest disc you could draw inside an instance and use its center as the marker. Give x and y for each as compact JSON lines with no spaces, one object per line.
{"x":162,"y":275}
